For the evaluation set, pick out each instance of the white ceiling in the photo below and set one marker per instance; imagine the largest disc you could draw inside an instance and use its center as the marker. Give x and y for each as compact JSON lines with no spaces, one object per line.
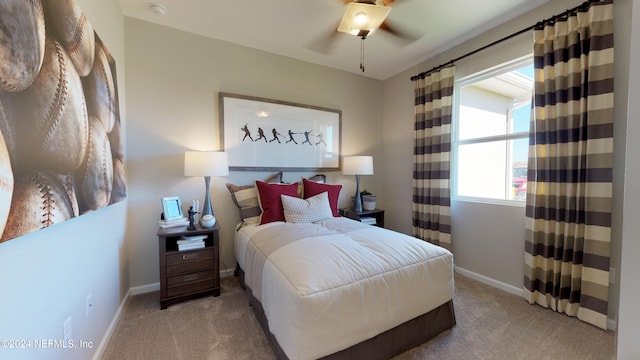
{"x":293,"y":27}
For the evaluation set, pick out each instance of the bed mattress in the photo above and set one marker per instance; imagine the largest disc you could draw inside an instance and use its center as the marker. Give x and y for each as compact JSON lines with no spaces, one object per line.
{"x":328,"y":285}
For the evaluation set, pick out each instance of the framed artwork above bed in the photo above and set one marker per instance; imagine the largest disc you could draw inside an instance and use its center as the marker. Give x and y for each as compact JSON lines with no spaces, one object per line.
{"x":265,"y":134}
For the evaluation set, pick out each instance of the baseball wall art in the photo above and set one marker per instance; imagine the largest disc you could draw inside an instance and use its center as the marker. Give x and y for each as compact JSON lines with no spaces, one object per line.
{"x":60,"y":137}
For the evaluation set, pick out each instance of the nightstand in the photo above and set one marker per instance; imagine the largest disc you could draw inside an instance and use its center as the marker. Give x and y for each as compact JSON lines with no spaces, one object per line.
{"x":189,"y":273}
{"x":365,"y":216}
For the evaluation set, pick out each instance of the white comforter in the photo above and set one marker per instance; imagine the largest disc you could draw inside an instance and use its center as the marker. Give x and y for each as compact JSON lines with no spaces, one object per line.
{"x":341,"y":283}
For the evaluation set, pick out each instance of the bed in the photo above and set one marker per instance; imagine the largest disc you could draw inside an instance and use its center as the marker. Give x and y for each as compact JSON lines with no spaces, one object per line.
{"x":340,"y":289}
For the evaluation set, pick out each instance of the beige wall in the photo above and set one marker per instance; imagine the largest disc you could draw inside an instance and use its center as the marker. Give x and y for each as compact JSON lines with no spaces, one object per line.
{"x":46,"y":275}
{"x":172,"y":91}
{"x":490,"y":253}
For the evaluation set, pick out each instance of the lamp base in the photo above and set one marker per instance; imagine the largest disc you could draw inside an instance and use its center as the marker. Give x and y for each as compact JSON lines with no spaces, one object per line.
{"x":357,"y":203}
{"x":206,"y":207}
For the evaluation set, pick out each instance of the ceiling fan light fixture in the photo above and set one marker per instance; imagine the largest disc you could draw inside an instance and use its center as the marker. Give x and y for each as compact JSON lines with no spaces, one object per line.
{"x":360,"y":16}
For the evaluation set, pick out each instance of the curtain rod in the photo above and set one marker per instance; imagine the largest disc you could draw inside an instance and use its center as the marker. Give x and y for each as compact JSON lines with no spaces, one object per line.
{"x":582,"y":7}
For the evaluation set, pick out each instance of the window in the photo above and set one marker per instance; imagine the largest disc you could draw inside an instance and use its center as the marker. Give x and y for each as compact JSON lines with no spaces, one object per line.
{"x":491,"y":130}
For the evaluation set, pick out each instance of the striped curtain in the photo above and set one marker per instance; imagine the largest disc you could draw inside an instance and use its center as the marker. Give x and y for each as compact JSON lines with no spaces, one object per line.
{"x":432,"y":151}
{"x":568,"y":209}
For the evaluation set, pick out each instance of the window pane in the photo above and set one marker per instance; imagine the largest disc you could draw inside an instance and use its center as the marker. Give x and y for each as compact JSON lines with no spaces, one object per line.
{"x":519,"y":150}
{"x":482,"y":169}
{"x":493,"y":170}
{"x":482,"y":113}
{"x":497,"y":105}
{"x":520,"y":118}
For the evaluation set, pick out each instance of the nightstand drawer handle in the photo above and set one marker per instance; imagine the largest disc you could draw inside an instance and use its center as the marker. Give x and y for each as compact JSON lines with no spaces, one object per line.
{"x":189,"y":257}
{"x":191,"y":277}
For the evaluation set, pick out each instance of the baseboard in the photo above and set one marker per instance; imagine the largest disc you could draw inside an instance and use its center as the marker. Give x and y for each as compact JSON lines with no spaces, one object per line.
{"x":143,"y":289}
{"x":112,"y":326}
{"x":489,"y":281}
{"x":611,"y":323}
{"x":227,"y":272}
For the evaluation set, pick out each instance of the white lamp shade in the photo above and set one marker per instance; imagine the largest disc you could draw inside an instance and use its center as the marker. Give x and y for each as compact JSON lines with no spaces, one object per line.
{"x":358,"y":165}
{"x":206,"y":163}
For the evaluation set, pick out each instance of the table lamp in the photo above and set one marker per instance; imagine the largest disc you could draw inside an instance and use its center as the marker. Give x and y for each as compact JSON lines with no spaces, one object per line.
{"x":207,"y":164}
{"x":358,"y":165}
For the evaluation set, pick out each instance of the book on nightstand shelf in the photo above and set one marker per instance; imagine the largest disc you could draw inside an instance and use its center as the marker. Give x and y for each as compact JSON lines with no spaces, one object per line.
{"x":368,"y":220}
{"x":189,"y":238}
{"x":173,"y":223}
{"x":191,"y":245}
{"x":190,"y":242}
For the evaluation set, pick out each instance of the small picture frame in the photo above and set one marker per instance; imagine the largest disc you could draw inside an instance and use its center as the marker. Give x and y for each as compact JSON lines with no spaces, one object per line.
{"x":172,"y":208}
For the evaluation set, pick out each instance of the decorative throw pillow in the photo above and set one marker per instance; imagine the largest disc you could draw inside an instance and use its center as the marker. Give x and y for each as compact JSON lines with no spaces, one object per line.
{"x":312,"y":188}
{"x":313,"y":209}
{"x":246,"y":199}
{"x":270,"y":202}
{"x":320,"y":178}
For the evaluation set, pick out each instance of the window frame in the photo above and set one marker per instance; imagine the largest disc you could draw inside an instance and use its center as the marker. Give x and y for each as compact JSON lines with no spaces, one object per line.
{"x":456,"y":142}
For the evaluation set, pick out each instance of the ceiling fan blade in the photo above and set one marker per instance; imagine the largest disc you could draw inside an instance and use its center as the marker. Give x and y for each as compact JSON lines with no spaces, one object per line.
{"x":325,"y":43}
{"x":364,"y":1}
{"x":384,"y":2}
{"x":400,"y":32}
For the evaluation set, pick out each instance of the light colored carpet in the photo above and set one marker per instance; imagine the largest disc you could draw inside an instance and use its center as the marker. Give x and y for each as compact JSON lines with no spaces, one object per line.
{"x":491,"y":324}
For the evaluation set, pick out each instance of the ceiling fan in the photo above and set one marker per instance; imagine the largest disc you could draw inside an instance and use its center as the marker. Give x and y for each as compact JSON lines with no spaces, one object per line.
{"x":362,"y":18}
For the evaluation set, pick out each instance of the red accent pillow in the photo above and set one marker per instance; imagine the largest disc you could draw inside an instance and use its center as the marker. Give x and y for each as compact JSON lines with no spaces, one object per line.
{"x":312,"y":188}
{"x":270,"y":202}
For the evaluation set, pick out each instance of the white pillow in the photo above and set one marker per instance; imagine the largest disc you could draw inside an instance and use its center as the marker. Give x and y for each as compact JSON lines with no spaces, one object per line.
{"x":308,"y":210}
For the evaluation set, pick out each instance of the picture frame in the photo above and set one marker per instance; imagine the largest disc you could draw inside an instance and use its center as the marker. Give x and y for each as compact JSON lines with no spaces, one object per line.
{"x":172,"y":208}
{"x":79,"y":92}
{"x":266,"y":134}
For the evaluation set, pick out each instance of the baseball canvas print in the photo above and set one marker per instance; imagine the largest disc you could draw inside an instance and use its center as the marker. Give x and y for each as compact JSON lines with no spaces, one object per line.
{"x":61,"y":153}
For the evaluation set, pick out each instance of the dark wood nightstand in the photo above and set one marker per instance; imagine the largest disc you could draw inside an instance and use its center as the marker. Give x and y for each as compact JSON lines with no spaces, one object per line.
{"x":189,"y":273}
{"x":377,"y":214}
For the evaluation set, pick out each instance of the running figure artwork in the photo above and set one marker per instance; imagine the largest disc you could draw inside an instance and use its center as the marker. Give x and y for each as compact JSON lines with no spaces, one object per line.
{"x":307,"y":135}
{"x":261,"y":134}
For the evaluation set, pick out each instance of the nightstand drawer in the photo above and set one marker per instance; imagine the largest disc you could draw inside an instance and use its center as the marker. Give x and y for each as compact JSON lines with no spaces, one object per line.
{"x":190,"y":278}
{"x":189,"y":261}
{"x":188,"y":283}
